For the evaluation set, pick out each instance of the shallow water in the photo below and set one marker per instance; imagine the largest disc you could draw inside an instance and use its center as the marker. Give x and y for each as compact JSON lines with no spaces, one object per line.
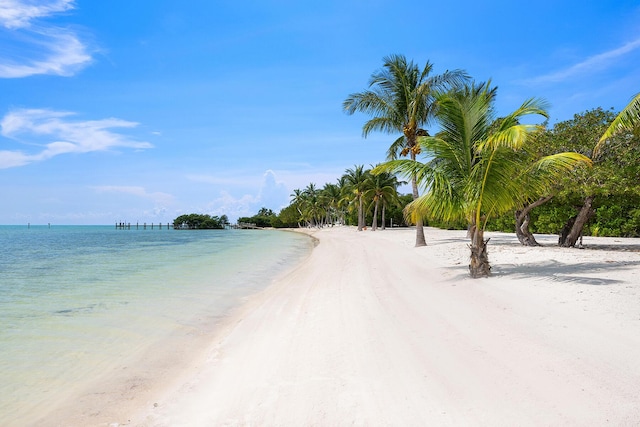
{"x":74,"y":301}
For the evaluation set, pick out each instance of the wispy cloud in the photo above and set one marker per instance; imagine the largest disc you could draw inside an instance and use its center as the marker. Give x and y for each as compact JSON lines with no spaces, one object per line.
{"x":61,"y":134}
{"x":229,"y":178}
{"x":591,"y":64}
{"x":19,"y":13}
{"x":31,"y":47}
{"x":158,"y":197}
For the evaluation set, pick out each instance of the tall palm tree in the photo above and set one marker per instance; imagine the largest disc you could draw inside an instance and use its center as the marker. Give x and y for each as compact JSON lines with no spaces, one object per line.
{"x":357,"y":181}
{"x":401,"y":98}
{"x":474,"y":160}
{"x":628,"y":119}
{"x":382,"y":188}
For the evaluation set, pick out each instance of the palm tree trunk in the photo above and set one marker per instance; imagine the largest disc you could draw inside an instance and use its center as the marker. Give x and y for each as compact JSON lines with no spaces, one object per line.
{"x":573,"y":230}
{"x":374,"y":223}
{"x":420,"y":240}
{"x":360,"y":214}
{"x":479,"y":263}
{"x":383,"y":209}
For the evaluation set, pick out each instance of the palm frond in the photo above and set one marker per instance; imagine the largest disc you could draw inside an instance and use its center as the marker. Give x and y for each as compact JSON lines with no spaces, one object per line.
{"x":369,"y":101}
{"x":395,"y":148}
{"x":532,"y":106}
{"x":402,"y":167}
{"x":382,"y":124}
{"x":627,"y":119}
{"x":562,"y":162}
{"x":442,"y":200}
{"x":513,"y":137}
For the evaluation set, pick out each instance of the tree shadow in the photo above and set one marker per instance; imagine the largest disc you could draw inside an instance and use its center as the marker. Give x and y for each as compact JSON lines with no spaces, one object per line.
{"x":435,"y":242}
{"x":615,"y":248}
{"x":567,"y":273}
{"x":554,"y":271}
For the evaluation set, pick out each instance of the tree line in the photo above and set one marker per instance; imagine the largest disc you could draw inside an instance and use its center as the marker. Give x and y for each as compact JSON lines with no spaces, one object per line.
{"x":358,"y":198}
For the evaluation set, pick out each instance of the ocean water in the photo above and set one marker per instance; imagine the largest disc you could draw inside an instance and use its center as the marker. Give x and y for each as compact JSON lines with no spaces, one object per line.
{"x":75,"y":300}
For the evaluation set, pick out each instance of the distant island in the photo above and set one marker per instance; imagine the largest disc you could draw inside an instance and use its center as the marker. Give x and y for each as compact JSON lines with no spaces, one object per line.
{"x":200,"y":222}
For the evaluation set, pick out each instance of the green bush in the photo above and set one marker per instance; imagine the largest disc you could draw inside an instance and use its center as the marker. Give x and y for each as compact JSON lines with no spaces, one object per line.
{"x":199,"y":222}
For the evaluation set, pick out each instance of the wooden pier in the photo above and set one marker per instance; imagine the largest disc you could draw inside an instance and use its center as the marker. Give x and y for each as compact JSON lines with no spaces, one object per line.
{"x":168,"y":226}
{"x":245,"y":225}
{"x":144,"y":226}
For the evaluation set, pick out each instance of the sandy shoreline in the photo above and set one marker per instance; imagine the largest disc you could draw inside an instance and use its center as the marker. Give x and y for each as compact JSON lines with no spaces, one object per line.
{"x":371,"y":331}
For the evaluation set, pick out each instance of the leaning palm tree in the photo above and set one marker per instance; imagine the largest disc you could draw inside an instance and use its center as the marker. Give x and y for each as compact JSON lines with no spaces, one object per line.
{"x":401,"y":99}
{"x":628,"y":119}
{"x":474,"y":160}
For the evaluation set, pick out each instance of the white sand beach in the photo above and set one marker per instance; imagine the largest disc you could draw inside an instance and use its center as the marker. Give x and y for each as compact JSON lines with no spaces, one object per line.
{"x":370,"y":331}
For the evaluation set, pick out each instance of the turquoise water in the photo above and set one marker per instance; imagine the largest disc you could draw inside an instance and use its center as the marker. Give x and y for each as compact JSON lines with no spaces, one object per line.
{"x":74,"y":301}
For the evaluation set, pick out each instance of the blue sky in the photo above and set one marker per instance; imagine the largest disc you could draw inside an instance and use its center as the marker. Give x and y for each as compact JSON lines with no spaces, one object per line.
{"x":141,"y":110}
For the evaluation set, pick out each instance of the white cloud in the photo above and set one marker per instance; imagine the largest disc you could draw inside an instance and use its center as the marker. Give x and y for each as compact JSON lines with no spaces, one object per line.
{"x":233,"y":206}
{"x":62,"y":135}
{"x":591,"y":64}
{"x":30,"y":49}
{"x":273,"y":194}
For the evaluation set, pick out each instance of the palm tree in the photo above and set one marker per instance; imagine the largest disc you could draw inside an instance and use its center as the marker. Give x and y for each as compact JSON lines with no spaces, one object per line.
{"x":357,"y":181}
{"x":330,"y":196}
{"x":382,"y":188}
{"x":628,"y":119}
{"x":314,"y":209}
{"x":298,"y":200}
{"x":474,"y":160}
{"x":388,"y":198}
{"x":341,"y":206}
{"x":401,"y":98}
